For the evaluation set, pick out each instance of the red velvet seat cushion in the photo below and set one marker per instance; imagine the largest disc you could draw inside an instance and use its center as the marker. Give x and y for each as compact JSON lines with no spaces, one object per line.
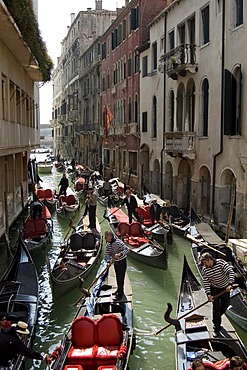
{"x":83,"y":356}
{"x":109,"y":331}
{"x":70,"y":199}
{"x":73,"y":367}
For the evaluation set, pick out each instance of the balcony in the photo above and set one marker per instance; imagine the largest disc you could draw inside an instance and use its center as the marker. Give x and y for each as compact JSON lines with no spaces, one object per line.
{"x":117,"y":129}
{"x":180,"y":144}
{"x":177,"y":62}
{"x":73,"y":115}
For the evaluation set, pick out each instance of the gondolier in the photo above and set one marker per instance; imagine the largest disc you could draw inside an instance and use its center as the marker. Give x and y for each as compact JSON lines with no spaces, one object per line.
{"x":131,"y":204}
{"x":11,"y":344}
{"x":116,"y":248}
{"x":64,"y":183}
{"x":218,"y":275}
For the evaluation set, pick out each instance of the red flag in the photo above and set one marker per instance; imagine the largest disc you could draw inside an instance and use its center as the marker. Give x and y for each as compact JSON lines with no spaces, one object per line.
{"x":108,"y":121}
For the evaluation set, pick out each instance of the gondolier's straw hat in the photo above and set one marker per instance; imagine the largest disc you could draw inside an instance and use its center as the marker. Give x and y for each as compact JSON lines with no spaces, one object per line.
{"x":21,"y":327}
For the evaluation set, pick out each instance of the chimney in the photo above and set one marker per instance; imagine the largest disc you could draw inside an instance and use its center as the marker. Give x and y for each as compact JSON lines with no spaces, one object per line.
{"x":98,"y":4}
{"x":72,"y":17}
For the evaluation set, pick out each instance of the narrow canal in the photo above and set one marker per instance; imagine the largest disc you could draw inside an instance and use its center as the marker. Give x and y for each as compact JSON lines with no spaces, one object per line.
{"x":152,"y":290}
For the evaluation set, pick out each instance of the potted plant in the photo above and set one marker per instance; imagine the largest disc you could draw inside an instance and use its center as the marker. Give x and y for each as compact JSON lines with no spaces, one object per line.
{"x":173,"y":61}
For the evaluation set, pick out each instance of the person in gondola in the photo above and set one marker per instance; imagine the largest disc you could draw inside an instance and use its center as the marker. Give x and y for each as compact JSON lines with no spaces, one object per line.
{"x":197,"y":364}
{"x":117,"y":249}
{"x":237,"y":363}
{"x":4,"y":323}
{"x":11,"y":344}
{"x":64,"y":184}
{"x":155,"y":211}
{"x":218,"y":276}
{"x":131,"y":204}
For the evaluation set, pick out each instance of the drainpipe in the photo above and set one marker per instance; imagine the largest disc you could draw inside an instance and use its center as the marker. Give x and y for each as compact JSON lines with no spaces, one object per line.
{"x":164,"y":115}
{"x":222,"y":107}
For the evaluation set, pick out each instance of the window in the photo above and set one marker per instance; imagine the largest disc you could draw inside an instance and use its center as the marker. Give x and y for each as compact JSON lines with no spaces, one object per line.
{"x":136,"y":108}
{"x":108,"y":79}
{"x":171,"y":40}
{"x":130,"y":65}
{"x":130,"y":110}
{"x":136,"y":64}
{"x":124,"y":29}
{"x":144,"y":121}
{"x":106,"y":157}
{"x":238,"y":12}
{"x":205,"y":101}
{"x":154,"y":117}
{"x":205,"y":25}
{"x":134,"y":19}
{"x":144,"y":66}
{"x":133,"y":163}
{"x":4,"y":97}
{"x":232,"y":102}
{"x":154,"y":56}
{"x":162,"y":43}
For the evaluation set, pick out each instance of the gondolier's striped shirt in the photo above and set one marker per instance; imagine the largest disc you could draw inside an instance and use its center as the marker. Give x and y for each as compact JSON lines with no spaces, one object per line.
{"x":117,"y":246}
{"x":220,"y":275}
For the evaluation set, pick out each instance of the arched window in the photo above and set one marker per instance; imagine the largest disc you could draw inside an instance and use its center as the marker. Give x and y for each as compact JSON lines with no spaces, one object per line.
{"x":130,"y":110}
{"x":204,"y":107}
{"x":154,"y":117}
{"x":136,"y":108}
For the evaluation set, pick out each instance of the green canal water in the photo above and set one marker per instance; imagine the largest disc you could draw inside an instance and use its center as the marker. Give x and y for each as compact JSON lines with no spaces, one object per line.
{"x":152,"y":290}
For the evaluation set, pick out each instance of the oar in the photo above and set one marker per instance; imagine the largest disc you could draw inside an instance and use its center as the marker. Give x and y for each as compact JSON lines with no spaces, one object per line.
{"x":190,"y":237}
{"x":107,"y":217}
{"x":86,"y":292}
{"x":71,"y":225}
{"x":185,"y":314}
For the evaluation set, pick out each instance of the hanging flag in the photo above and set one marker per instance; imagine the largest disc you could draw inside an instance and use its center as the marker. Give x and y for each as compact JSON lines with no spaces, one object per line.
{"x":108,"y":121}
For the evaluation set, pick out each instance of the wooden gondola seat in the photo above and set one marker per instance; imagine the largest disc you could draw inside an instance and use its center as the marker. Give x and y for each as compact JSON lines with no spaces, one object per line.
{"x":110,"y":336}
{"x":144,"y":213}
{"x":71,"y":200}
{"x":123,"y":229}
{"x":83,"y":348}
{"x":40,"y":195}
{"x":95,"y":343}
{"x":35,"y":228}
{"x":48,"y":194}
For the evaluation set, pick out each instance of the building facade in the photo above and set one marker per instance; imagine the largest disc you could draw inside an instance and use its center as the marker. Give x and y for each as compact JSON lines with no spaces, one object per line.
{"x":19,"y":114}
{"x":205,"y":132}
{"x":67,"y":120}
{"x":120,"y":86}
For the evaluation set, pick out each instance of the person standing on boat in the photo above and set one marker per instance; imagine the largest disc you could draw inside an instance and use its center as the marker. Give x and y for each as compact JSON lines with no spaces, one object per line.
{"x":64,"y":183}
{"x":131,"y":204}
{"x":155,"y":211}
{"x":218,"y":276}
{"x":117,"y":249}
{"x":11,"y":345}
{"x":237,"y":363}
{"x":91,"y":204}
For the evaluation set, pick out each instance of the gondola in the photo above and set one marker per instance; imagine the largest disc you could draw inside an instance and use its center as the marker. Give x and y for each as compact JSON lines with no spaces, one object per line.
{"x":116,"y":194}
{"x":77,"y":258}
{"x":101,"y":335}
{"x":160,"y":231}
{"x":67,"y":205}
{"x":37,"y":228}
{"x":141,"y":246}
{"x":19,"y":291}
{"x":194,"y":329}
{"x":218,"y":249}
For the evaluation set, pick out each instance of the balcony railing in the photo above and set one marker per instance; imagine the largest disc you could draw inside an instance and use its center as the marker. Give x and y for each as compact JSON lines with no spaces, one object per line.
{"x":180,"y":143}
{"x":179,"y":61}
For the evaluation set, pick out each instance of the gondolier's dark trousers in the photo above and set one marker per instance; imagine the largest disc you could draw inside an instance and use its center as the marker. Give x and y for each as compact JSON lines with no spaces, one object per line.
{"x":219,"y":305}
{"x":120,"y":269}
{"x":92,"y":216}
